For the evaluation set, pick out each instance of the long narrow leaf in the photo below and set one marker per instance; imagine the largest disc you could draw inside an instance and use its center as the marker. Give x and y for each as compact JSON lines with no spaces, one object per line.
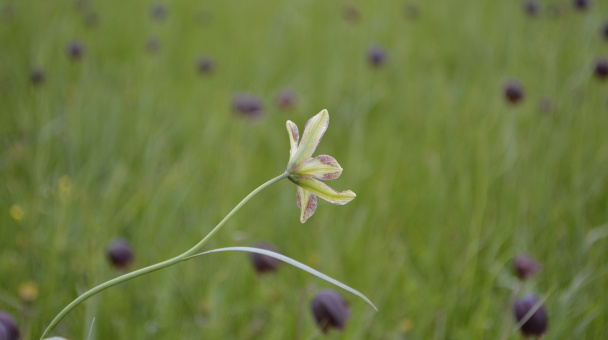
{"x":293,"y":263}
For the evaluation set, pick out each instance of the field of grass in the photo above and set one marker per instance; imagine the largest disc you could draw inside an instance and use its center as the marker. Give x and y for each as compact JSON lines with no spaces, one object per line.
{"x":452,"y":181}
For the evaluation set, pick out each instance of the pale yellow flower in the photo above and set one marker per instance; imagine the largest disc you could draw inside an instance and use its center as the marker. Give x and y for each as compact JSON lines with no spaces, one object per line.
{"x":16,"y":212}
{"x":306,"y":172}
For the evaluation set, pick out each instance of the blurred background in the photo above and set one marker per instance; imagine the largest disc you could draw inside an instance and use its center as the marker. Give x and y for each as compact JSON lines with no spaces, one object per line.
{"x":472,"y":131}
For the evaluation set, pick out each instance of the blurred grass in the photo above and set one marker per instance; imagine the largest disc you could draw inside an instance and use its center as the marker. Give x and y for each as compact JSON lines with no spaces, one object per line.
{"x":451,"y":181}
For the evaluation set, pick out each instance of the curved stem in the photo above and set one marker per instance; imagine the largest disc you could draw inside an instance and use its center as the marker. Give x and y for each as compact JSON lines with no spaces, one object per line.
{"x":93,"y":291}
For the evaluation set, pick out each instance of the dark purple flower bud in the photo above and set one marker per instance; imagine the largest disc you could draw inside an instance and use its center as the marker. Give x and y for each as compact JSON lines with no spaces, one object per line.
{"x":75,"y":50}
{"x":37,"y":76}
{"x":351,"y":13}
{"x":152,"y":45}
{"x":531,"y":7}
{"x":120,"y":253}
{"x":247,"y":105}
{"x":205,"y":65}
{"x":601,"y":68}
{"x":262,"y":263}
{"x":525,"y":266}
{"x":536,"y":324}
{"x":582,"y":4}
{"x":9,"y":325}
{"x":330,"y":310}
{"x":158,"y":11}
{"x":286,"y":98}
{"x":514,"y":92}
{"x":376,"y":55}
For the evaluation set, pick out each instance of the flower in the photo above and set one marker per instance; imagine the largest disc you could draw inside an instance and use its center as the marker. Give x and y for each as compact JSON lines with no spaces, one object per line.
{"x":601,"y":69}
{"x":536,"y":323}
{"x":376,"y":55}
{"x":8,"y":327}
{"x":531,"y":7}
{"x":205,"y":65}
{"x":330,"y":310}
{"x":248,"y":105}
{"x":28,"y":292}
{"x":514,"y":92}
{"x":525,"y":266}
{"x":120,"y":253}
{"x":75,"y":50}
{"x":158,"y":11}
{"x":263,"y":263}
{"x":582,"y":5}
{"x":286,"y":98}
{"x":37,"y":76}
{"x":306,"y":172}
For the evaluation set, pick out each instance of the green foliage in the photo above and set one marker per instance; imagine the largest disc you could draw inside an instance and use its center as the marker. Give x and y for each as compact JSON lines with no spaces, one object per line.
{"x":451,"y":181}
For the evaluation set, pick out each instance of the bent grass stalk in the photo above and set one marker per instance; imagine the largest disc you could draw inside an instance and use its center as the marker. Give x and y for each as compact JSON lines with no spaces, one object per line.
{"x":185,"y":256}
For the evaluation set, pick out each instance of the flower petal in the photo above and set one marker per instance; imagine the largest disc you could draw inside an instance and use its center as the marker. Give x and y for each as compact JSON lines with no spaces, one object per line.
{"x":323,"y":190}
{"x":294,"y":136}
{"x":321,"y":167}
{"x":313,"y":132}
{"x":311,"y":203}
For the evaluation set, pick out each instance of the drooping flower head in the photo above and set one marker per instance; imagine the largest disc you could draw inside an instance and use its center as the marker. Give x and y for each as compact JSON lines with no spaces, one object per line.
{"x":262,"y":263}
{"x":525,"y":266}
{"x":306,"y":172}
{"x":534,"y":324}
{"x":330,"y":310}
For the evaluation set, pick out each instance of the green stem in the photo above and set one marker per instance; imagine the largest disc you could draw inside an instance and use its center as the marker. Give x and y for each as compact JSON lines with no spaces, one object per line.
{"x":154,"y":267}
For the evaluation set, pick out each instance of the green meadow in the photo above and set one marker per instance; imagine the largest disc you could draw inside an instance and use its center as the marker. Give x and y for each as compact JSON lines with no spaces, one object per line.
{"x":133,"y":141}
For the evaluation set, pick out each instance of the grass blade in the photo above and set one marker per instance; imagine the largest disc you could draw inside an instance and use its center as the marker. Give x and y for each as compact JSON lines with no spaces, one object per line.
{"x":293,"y":263}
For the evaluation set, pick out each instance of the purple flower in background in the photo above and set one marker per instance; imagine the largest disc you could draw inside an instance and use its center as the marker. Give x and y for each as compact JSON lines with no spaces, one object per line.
{"x":8,"y":324}
{"x":582,"y":4}
{"x":120,"y":253}
{"x":514,"y":92}
{"x":75,"y":50}
{"x":263,"y":263}
{"x":525,"y":266}
{"x":286,"y":98}
{"x":330,"y":310}
{"x":601,"y":68}
{"x":536,"y":324}
{"x":247,"y":105}
{"x":37,"y":76}
{"x":376,"y":55}
{"x":205,"y":65}
{"x":531,"y":7}
{"x":158,"y":11}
